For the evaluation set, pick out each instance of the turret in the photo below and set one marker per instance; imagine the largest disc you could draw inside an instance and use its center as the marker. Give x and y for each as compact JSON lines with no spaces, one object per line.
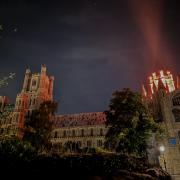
{"x":43,"y":69}
{"x":26,"y":80}
{"x":51,"y":84}
{"x":161,"y":85}
{"x":154,"y":88}
{"x":162,"y":90}
{"x":177,"y":82}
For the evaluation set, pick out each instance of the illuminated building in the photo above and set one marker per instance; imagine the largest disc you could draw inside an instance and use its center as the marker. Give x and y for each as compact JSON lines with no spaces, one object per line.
{"x":6,"y":111}
{"x":37,"y":88}
{"x":3,"y":102}
{"x":162,"y":98}
{"x":84,"y":130}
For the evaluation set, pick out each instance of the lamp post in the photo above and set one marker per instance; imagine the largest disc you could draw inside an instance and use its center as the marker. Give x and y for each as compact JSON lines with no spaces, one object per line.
{"x":162,"y":149}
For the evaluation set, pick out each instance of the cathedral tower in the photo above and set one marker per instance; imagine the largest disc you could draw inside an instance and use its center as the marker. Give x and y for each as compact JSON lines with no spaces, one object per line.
{"x":163,"y":102}
{"x":37,"y":88}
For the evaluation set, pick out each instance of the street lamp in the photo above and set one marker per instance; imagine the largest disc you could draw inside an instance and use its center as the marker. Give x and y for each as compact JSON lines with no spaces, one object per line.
{"x":162,"y":150}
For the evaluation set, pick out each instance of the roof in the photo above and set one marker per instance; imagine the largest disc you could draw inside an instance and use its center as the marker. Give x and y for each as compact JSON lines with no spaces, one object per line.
{"x":81,"y":119}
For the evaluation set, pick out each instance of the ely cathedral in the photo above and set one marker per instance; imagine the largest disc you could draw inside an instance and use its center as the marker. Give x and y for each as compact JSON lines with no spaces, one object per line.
{"x":88,"y":130}
{"x":85,"y":129}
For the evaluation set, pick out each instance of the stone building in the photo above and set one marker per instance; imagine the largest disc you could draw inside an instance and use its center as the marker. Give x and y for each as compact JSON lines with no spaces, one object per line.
{"x":86,"y":129}
{"x":3,"y":102}
{"x":6,"y":112}
{"x":163,"y":101}
{"x":37,"y":88}
{"x":83,"y":129}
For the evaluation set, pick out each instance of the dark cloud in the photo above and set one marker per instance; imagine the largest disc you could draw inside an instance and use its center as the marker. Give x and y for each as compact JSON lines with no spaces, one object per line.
{"x":92,"y":47}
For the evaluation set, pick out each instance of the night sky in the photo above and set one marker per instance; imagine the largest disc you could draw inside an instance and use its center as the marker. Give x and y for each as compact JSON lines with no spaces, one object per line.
{"x":92,"y":47}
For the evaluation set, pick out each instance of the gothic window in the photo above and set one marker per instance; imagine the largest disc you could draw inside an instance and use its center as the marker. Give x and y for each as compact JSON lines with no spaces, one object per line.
{"x":73,"y":133}
{"x":64,"y":133}
{"x":60,"y":144}
{"x":28,"y":113}
{"x":99,"y":143}
{"x":34,"y":83}
{"x":179,"y":135}
{"x":82,"y":132}
{"x":10,"y":120}
{"x":101,"y":132}
{"x":79,"y":144}
{"x":55,"y":134}
{"x":89,"y":143}
{"x":30,"y":102}
{"x":91,"y":132}
{"x":17,"y":117}
{"x":34,"y":101}
{"x":7,"y":130}
{"x":176,"y":113}
{"x":176,"y":100}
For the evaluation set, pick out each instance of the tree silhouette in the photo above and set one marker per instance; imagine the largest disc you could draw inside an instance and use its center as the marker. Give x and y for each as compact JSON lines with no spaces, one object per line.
{"x":39,"y":125}
{"x":129,"y":124}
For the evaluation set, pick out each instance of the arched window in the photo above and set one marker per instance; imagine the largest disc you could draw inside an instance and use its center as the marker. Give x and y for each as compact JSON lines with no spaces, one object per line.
{"x":64,"y":133}
{"x":176,"y":100}
{"x":73,"y":133}
{"x":91,"y":132}
{"x":89,"y":143}
{"x":179,"y":135}
{"x":55,"y":134}
{"x":28,"y":113}
{"x":34,"y":83}
{"x":101,"y":132}
{"x":176,"y":113}
{"x":99,"y":143}
{"x":17,"y":115}
{"x":30,"y":102}
{"x":82,"y":132}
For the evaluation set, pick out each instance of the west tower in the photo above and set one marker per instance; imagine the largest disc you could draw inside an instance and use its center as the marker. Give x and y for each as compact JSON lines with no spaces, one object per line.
{"x":37,"y":88}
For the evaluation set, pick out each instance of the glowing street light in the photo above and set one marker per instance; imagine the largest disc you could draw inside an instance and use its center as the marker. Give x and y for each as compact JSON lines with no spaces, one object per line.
{"x":162,"y":150}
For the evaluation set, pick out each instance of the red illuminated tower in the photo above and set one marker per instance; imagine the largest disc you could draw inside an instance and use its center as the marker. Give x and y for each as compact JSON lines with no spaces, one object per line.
{"x":37,"y":88}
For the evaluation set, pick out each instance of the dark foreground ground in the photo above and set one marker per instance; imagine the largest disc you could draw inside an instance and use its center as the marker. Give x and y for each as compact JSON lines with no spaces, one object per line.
{"x":95,"y":167}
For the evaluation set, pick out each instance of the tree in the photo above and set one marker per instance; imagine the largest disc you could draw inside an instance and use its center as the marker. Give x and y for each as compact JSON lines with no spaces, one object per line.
{"x":39,"y":125}
{"x":16,"y":149}
{"x":6,"y":109}
{"x":129,"y":124}
{"x":4,"y":80}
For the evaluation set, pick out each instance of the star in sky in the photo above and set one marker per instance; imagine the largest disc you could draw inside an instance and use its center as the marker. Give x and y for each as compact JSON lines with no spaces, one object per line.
{"x":1,"y":27}
{"x":15,"y":29}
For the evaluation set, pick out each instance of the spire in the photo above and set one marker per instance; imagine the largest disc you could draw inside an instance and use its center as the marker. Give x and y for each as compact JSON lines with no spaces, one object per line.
{"x":144,"y":92}
{"x":26,"y":79}
{"x":154,"y":88}
{"x":43,"y":69}
{"x":161,"y":85}
{"x":28,"y":71}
